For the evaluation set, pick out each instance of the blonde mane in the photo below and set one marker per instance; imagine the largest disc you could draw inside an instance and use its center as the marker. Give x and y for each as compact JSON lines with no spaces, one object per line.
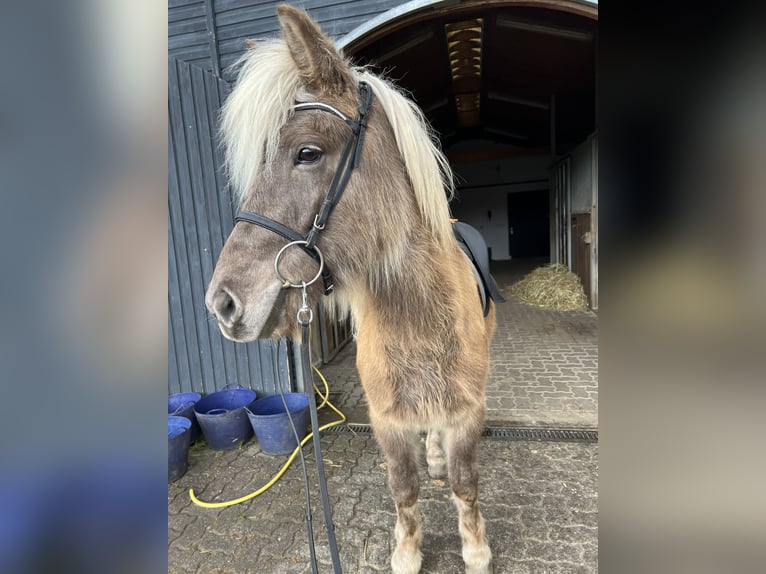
{"x":427,"y":167}
{"x":267,"y":86}
{"x":257,"y":108}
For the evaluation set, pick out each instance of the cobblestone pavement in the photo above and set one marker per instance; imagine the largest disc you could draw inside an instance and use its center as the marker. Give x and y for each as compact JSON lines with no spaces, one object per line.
{"x":539,"y":499}
{"x":544,"y":368}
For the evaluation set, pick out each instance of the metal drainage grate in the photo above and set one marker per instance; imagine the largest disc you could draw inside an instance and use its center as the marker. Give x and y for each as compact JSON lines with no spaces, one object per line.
{"x":542,"y":434}
{"x":352,"y":428}
{"x":511,"y":433}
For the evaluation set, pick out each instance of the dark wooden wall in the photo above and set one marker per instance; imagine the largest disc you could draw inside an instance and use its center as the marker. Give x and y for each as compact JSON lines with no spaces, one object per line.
{"x":200,"y":216}
{"x":581,"y":239}
{"x":211,"y":34}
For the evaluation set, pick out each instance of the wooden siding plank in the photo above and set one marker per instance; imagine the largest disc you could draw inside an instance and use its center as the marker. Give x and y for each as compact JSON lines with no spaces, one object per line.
{"x":188,"y":12}
{"x":175,"y":4}
{"x":212,"y":37}
{"x":179,"y":29}
{"x":246,"y":14}
{"x":252,"y":352}
{"x":174,"y":383}
{"x":182,"y":313}
{"x":184,"y":41}
{"x":194,"y":55}
{"x":194,"y":225}
{"x":220,"y":216}
{"x":226,"y":5}
{"x":207,"y":91}
{"x":184,"y":226}
{"x":267,"y":359}
{"x":202,"y":63}
{"x":178,"y":368}
{"x":236,"y":34}
{"x":202,"y":185}
{"x":219,"y":207}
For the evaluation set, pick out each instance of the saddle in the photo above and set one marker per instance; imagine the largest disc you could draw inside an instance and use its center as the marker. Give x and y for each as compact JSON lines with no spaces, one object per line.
{"x":473,"y":245}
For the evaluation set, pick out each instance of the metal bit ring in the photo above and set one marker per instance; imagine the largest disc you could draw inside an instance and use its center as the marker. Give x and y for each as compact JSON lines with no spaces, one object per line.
{"x":302,"y":283}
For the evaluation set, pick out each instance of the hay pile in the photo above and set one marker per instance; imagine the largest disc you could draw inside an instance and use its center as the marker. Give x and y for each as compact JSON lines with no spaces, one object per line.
{"x":550,"y":287}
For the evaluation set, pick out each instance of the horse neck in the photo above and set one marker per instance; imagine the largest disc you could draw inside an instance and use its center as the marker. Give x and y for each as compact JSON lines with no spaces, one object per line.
{"x":415,"y":300}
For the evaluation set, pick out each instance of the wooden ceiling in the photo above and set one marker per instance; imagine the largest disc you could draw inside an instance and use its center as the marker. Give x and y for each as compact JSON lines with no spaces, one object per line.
{"x":495,"y":74}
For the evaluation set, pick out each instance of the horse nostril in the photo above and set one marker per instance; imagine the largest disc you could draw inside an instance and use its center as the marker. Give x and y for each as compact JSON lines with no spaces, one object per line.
{"x":226,"y":307}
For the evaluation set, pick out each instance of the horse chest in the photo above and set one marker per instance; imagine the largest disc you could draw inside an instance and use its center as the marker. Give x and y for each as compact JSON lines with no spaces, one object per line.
{"x":406,"y":385}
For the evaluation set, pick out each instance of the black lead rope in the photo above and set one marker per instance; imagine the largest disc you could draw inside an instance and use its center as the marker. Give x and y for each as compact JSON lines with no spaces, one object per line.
{"x":308,"y":381}
{"x":349,"y":160}
{"x":309,"y":519}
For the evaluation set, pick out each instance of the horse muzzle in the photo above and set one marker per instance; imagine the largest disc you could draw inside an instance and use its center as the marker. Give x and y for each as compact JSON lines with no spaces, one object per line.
{"x":241,"y":316}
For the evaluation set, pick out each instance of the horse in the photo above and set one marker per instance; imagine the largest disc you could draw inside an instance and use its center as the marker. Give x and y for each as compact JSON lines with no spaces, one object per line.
{"x":301,"y":119}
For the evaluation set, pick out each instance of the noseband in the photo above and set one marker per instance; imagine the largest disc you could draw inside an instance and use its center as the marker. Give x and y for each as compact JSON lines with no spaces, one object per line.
{"x":348,"y":161}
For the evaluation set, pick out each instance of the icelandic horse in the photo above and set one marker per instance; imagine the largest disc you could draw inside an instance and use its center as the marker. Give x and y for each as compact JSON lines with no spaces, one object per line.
{"x":422,"y":336}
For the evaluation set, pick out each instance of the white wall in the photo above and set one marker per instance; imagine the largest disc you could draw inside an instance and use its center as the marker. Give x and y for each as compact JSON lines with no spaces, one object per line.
{"x":482,"y":195}
{"x":475,"y":206}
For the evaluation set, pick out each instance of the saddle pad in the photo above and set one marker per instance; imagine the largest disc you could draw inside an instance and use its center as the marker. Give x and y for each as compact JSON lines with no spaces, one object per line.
{"x":473,"y":245}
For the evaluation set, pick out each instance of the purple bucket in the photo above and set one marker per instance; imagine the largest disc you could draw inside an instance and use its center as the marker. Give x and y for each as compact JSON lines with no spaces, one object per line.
{"x":182,"y":405}
{"x":178,"y":446}
{"x":271,"y":424}
{"x":223,"y":419}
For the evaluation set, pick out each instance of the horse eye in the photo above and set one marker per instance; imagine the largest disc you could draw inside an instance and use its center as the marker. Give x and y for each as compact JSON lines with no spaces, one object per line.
{"x":309,"y":155}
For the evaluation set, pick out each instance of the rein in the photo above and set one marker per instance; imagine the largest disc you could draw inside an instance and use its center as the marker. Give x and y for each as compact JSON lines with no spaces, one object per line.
{"x":348,"y":162}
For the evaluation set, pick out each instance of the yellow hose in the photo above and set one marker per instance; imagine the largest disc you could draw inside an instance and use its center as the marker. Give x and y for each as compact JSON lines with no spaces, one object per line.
{"x":265,"y":487}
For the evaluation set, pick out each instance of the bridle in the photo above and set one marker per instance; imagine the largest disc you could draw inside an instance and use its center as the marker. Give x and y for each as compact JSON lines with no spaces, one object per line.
{"x":349,"y":160}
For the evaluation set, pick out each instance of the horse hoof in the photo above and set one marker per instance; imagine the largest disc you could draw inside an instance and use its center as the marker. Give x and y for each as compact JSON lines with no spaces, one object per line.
{"x":478,"y":561}
{"x":403,"y":562}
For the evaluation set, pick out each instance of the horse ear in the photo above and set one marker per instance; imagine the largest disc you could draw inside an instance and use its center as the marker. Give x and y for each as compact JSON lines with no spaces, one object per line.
{"x":322,"y":67}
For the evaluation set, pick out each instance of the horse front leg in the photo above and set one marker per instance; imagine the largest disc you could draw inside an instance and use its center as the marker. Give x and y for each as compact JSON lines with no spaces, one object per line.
{"x":463,"y":465}
{"x":399,"y":448}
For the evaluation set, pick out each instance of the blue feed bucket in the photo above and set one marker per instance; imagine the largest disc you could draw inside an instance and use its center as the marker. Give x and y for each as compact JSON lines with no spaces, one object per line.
{"x":182,"y":405}
{"x":272,"y":426}
{"x":222,"y":417}
{"x":179,"y":433}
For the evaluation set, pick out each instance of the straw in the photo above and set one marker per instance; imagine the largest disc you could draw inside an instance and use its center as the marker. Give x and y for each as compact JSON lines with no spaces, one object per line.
{"x":550,"y":287}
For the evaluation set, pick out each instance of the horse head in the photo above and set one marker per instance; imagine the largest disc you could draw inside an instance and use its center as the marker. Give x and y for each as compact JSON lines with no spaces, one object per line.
{"x":283,"y":175}
{"x":296,"y":135}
